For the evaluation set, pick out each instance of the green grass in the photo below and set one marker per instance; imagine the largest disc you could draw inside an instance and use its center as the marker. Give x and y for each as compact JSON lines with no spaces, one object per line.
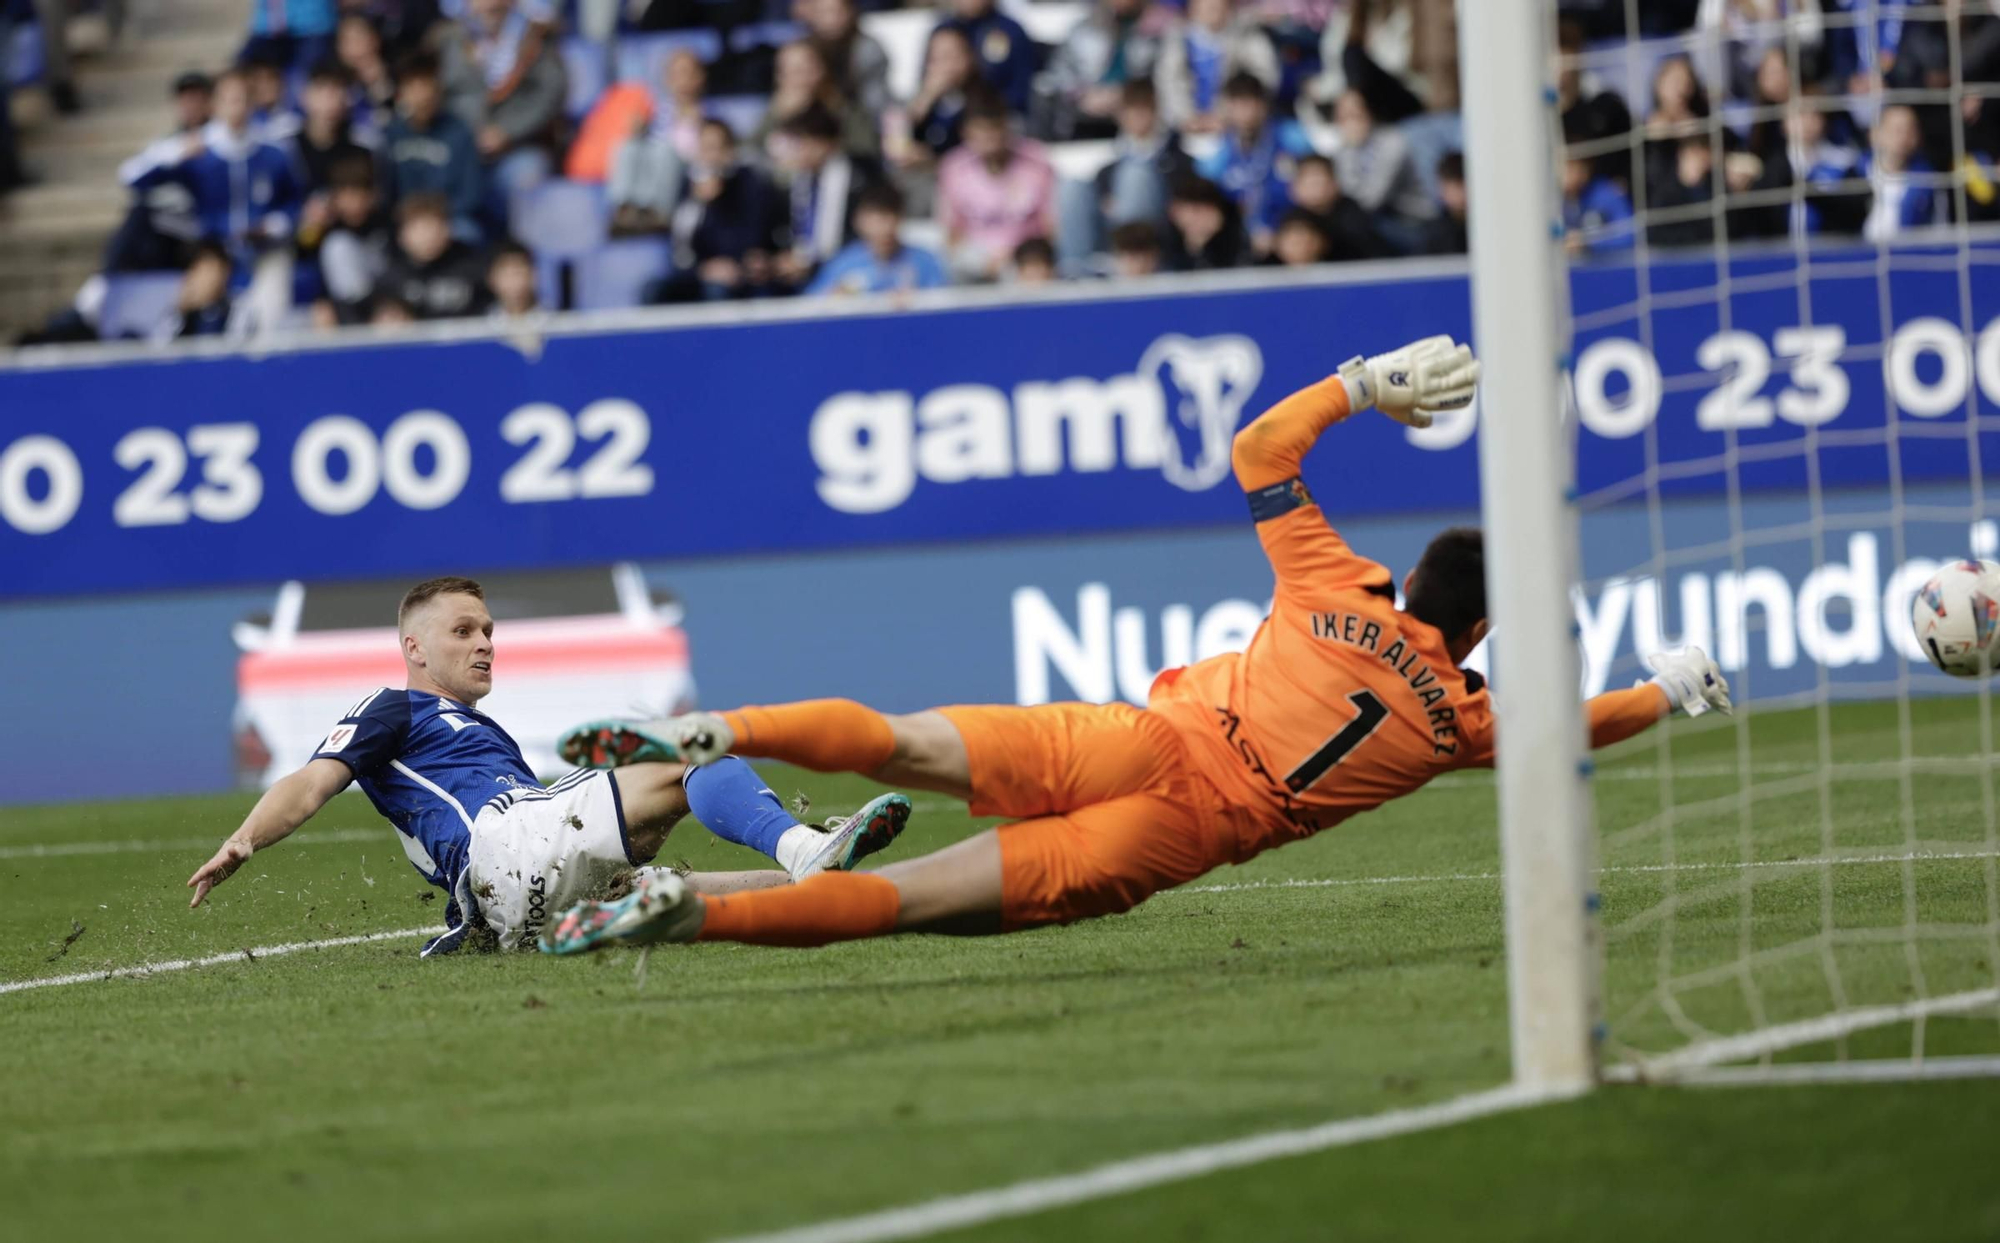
{"x":358,"y":1092}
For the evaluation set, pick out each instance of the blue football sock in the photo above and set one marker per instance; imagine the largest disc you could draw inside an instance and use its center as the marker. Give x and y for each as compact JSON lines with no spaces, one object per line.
{"x":734,"y":803}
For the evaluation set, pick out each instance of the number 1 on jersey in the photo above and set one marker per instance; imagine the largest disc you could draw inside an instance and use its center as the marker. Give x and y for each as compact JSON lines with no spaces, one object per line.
{"x":1369,"y":713}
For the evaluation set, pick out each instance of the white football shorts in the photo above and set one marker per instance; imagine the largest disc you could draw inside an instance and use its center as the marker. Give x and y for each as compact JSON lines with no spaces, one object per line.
{"x":537,"y":851}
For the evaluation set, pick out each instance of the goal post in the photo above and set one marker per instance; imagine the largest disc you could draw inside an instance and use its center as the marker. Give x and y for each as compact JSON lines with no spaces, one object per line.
{"x":1527,"y":487}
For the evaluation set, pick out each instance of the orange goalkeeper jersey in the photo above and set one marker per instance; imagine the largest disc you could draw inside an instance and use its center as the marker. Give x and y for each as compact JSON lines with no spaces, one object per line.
{"x":1342,"y":701}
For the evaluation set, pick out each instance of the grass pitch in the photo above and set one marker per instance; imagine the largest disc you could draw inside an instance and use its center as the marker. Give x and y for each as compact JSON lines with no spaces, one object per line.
{"x":358,"y":1092}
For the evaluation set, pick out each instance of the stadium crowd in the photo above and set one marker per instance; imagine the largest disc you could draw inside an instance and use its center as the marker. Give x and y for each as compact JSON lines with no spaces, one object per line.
{"x":394,"y":160}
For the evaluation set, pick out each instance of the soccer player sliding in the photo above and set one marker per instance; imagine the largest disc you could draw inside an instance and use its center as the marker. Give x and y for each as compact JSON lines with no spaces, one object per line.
{"x":1341,"y":702}
{"x":508,"y":851}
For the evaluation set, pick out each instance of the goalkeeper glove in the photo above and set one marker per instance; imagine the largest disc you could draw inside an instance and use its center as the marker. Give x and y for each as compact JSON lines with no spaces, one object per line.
{"x":1410,"y":383}
{"x":1691,"y":680}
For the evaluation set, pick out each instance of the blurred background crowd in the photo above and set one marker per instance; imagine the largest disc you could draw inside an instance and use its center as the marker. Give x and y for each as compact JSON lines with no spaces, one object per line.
{"x":389,"y":161}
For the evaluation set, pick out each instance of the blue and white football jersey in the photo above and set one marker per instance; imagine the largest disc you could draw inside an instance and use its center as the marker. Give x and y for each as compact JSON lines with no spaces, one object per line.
{"x":429,"y":765}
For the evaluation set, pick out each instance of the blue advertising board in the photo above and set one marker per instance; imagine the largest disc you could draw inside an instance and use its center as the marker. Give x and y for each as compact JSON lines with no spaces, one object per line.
{"x":668,"y":437}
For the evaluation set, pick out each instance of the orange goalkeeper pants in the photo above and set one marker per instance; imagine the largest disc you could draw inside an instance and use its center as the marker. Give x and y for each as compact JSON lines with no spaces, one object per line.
{"x":1108,"y":807}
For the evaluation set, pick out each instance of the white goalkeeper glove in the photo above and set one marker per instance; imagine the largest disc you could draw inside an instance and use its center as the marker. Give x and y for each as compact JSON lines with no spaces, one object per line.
{"x":1691,"y":680}
{"x":1408,"y":384}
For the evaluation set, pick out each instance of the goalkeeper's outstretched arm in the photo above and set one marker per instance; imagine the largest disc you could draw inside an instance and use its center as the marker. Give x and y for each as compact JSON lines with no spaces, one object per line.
{"x":1406,"y":384}
{"x":289,"y":803}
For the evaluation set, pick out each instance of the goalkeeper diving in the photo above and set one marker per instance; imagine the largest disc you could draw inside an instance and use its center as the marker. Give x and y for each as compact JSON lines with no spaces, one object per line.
{"x":1342,"y":702}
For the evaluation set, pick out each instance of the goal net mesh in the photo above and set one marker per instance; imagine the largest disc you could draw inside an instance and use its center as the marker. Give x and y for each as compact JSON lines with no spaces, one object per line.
{"x":1785,"y":368}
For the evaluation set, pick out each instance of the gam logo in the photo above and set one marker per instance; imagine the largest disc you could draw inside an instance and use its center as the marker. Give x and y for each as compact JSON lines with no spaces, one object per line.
{"x":1175,"y":413}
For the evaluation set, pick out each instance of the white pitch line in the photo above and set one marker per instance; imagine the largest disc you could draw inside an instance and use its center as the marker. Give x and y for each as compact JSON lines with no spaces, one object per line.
{"x":56,"y":850}
{"x":183,"y":964}
{"x":1340,"y":882}
{"x":1118,"y":1177}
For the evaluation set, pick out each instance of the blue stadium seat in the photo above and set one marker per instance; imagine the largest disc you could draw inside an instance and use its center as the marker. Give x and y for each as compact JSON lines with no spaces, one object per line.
{"x":616,"y":274}
{"x":559,"y":221}
{"x":741,"y":113}
{"x":764,"y":34}
{"x":137,"y":303}
{"x":641,"y":58}
{"x":588,"y":64}
{"x":21,"y":61}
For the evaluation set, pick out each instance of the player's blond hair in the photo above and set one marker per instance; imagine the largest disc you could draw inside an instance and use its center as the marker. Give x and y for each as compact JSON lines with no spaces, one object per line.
{"x":430,"y":589}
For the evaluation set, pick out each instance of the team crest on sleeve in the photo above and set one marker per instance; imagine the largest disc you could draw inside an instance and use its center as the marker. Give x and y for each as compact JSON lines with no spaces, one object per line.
{"x":338,"y":739}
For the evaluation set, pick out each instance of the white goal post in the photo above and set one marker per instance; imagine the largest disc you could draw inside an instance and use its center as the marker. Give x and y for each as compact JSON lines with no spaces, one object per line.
{"x":1527,"y":485}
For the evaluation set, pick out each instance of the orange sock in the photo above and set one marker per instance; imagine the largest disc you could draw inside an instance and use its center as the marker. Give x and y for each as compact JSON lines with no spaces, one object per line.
{"x":833,"y":906}
{"x":825,"y":735}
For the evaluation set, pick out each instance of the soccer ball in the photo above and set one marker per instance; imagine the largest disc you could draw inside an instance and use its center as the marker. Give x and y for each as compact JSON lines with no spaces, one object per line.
{"x":1957,"y":618}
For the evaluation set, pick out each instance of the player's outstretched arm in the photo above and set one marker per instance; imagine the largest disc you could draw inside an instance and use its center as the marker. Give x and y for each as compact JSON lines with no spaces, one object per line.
{"x":1407,"y":384}
{"x":288,"y":804}
{"x":1684,"y":681}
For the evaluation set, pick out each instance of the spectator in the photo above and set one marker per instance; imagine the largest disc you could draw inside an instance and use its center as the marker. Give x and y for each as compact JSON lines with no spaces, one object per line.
{"x":1596,"y":211}
{"x":859,"y":65}
{"x":271,"y":112}
{"x":1206,"y":229}
{"x":503,"y":78}
{"x":916,"y":139}
{"x":1132,"y":187}
{"x":1006,"y":55}
{"x":1376,"y":169}
{"x":328,"y":136}
{"x":1213,"y":46}
{"x":1034,"y":262}
{"x":1253,"y":164}
{"x":1349,"y":230}
{"x":402,"y":24}
{"x":995,"y":192}
{"x":290,"y":34}
{"x":510,"y":282}
{"x":648,"y":168}
{"x":1589,"y":114}
{"x":428,"y":150}
{"x":1108,"y":50}
{"x":1680,"y":108}
{"x":1834,"y":198}
{"x":434,"y":274}
{"x":389,"y":311}
{"x":354,"y":252}
{"x":804,"y":81}
{"x":1135,"y":251}
{"x":1749,"y":30}
{"x":725,"y":231}
{"x":202,"y":307}
{"x":1901,"y":176}
{"x":52,"y":16}
{"x":1446,"y":233}
{"x":1680,"y":205}
{"x":245,"y":192}
{"x":160,"y":228}
{"x":822,"y":182}
{"x":878,"y":261}
{"x":358,"y":47}
{"x":1299,"y":243}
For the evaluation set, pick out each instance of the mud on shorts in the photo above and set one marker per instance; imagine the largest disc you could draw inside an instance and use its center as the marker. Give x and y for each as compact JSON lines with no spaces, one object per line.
{"x":537,"y":850}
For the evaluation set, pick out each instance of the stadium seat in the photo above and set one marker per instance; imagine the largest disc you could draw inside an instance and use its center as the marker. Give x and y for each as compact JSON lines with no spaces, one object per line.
{"x":21,"y":60}
{"x":641,"y":58}
{"x":764,"y":34}
{"x":741,"y":113}
{"x":559,"y":221}
{"x":1080,"y":161}
{"x":1047,"y":22}
{"x":136,"y":304}
{"x":588,"y":64}
{"x":903,"y":33}
{"x":616,"y":274}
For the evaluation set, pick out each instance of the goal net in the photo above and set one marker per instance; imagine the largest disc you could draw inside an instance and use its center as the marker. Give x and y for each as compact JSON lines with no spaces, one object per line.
{"x":1783,"y":345}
